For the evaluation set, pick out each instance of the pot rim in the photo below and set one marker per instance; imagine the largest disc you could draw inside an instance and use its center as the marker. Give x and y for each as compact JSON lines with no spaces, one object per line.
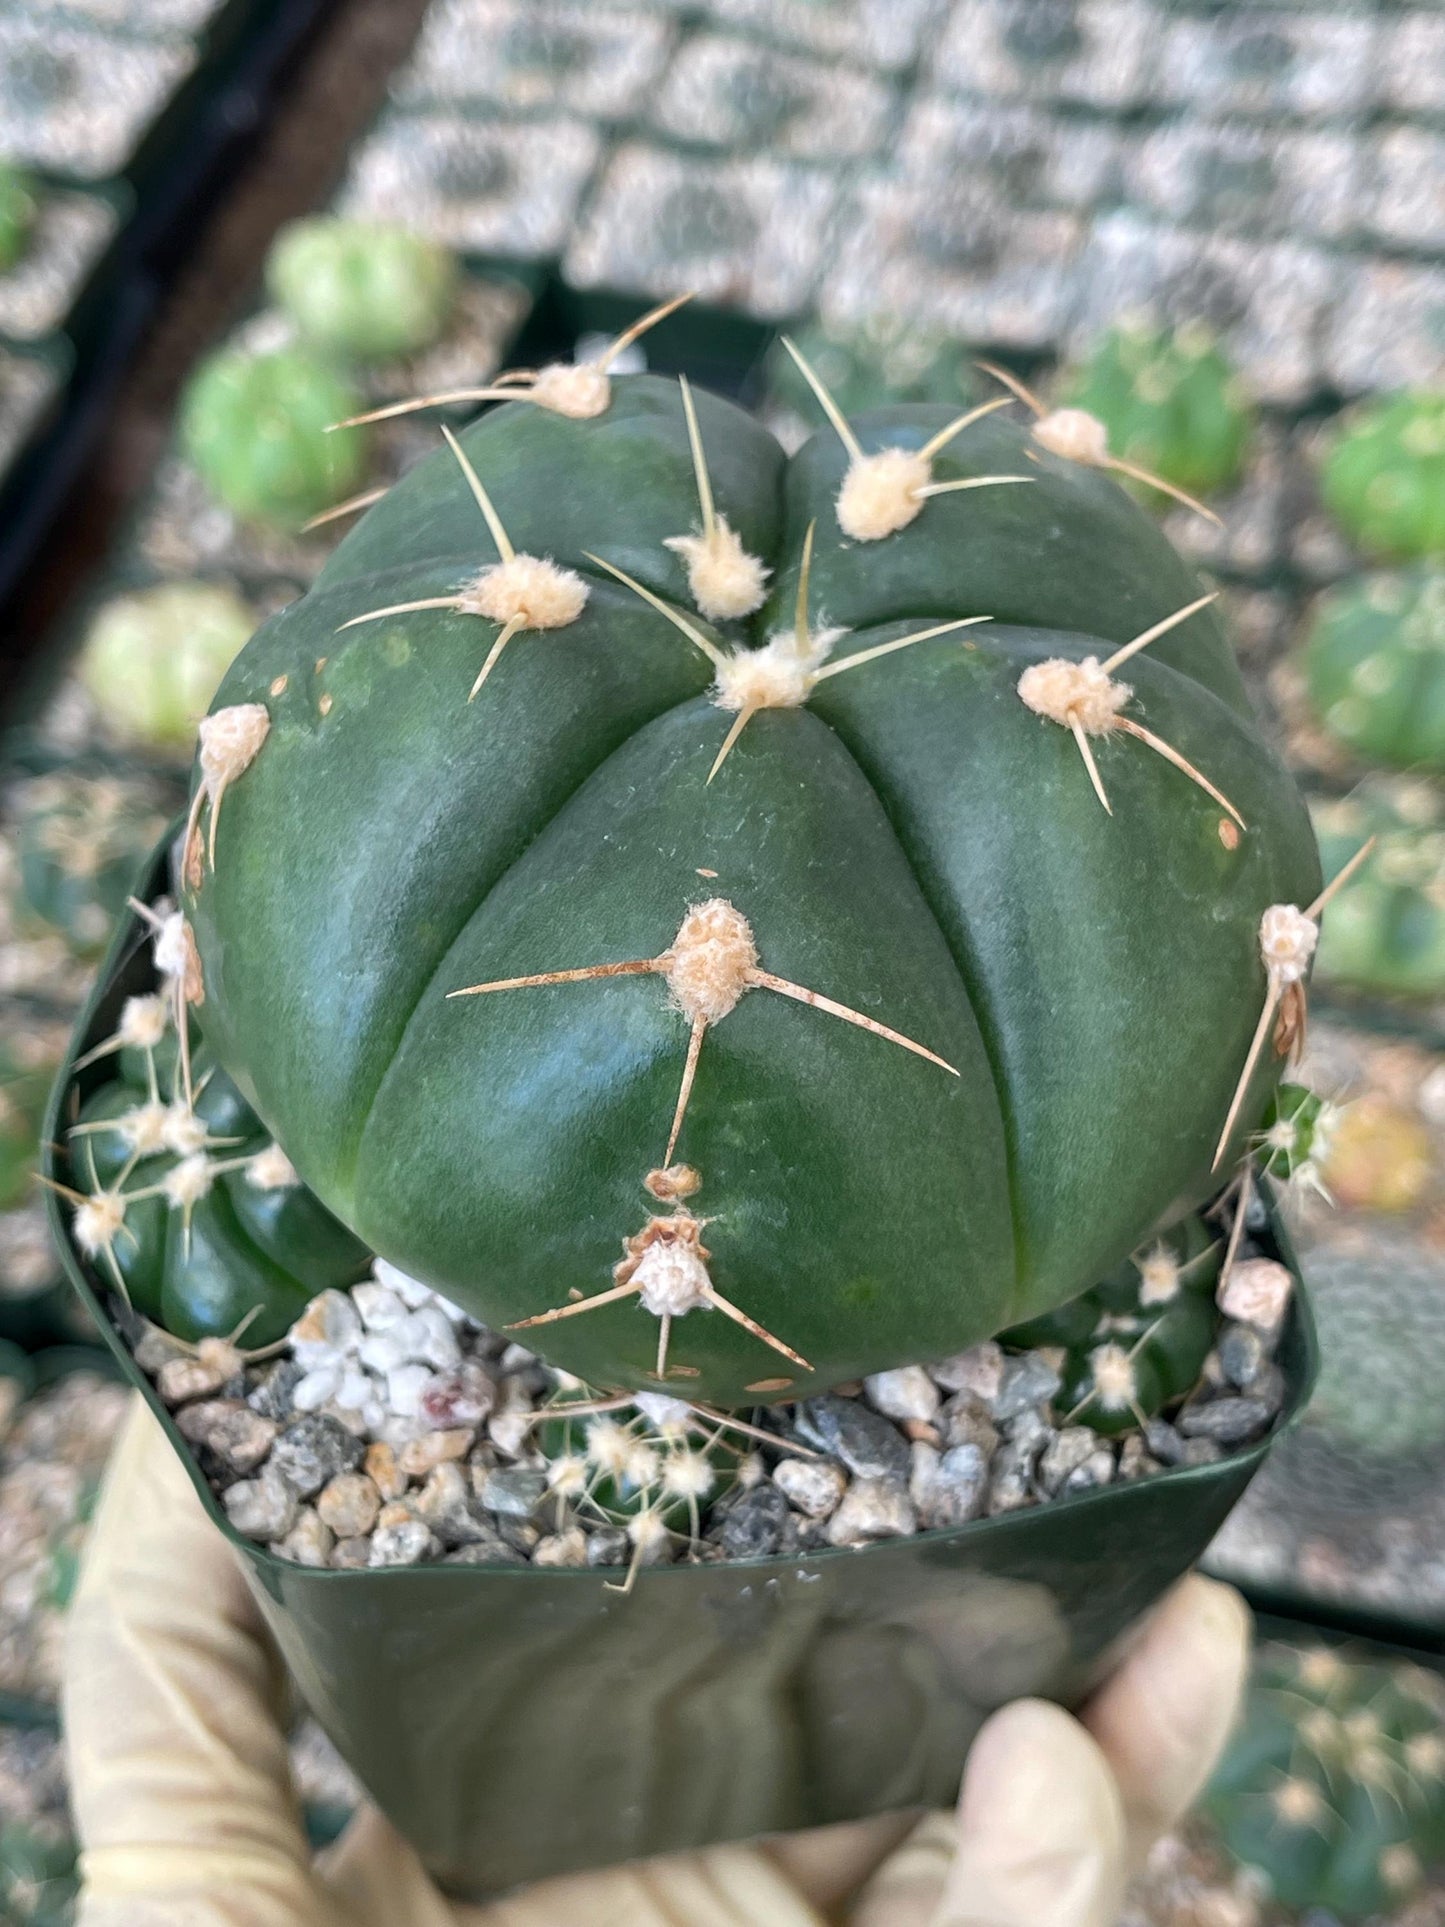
{"x":129,"y":940}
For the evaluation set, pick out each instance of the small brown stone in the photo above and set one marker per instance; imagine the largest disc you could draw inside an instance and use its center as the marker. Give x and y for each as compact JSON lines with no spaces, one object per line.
{"x":351,"y":1553}
{"x":423,"y":1455}
{"x":182,"y":1379}
{"x":383,"y":1471}
{"x":349,"y":1504}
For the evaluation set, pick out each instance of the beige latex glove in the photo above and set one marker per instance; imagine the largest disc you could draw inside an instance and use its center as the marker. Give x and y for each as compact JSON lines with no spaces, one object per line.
{"x":188,"y":1818}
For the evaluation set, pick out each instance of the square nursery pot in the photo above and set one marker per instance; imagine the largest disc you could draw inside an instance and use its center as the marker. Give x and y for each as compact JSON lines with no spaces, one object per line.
{"x":516,"y":1723}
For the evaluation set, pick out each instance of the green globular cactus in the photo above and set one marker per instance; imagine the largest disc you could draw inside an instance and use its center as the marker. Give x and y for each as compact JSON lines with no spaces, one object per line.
{"x":151,"y":661}
{"x":81,"y":839}
{"x":883,"y":359}
{"x":1374,"y":662}
{"x":1170,"y":403}
{"x":255,"y":425}
{"x":1386,"y":929}
{"x":1384,"y":475}
{"x":188,"y":1207}
{"x":735,"y":1002}
{"x":1294,"y":1136}
{"x":18,"y":213}
{"x":1135,"y":1344}
{"x":1334,"y":1785}
{"x":359,"y":289}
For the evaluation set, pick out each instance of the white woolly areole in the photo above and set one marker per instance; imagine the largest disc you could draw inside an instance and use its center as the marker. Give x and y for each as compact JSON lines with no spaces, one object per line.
{"x":189,"y":1182}
{"x":184,"y":1132}
{"x":143,"y":1130}
{"x":1158,"y":1276}
{"x":1074,"y":692}
{"x":1297,"y":1803}
{"x":662,"y":1411}
{"x":272,"y":1170}
{"x":532,"y":587}
{"x":780,"y":675}
{"x":880,"y":494}
{"x":1287,"y":939}
{"x":640,"y":1467}
{"x":97,"y":1223}
{"x":579,"y":390}
{"x":707,"y":966}
{"x":231,"y":740}
{"x":177,"y":957}
{"x":567,"y":1474}
{"x":646,"y":1529}
{"x":608,"y":1445}
{"x":1115,"y":1384}
{"x":688,"y":1475}
{"x":725,"y":580}
{"x":143,"y":1022}
{"x":671,"y":1280}
{"x":1075,"y":434}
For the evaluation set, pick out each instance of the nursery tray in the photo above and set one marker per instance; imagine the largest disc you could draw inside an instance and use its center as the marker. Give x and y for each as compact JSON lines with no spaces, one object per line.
{"x":520,"y":1723}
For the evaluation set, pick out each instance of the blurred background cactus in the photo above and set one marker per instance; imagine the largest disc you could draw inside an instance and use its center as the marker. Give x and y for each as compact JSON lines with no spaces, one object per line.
{"x":151,"y":660}
{"x":1171,"y":404}
{"x":255,"y":425}
{"x":1374,"y":661}
{"x":363,"y":290}
{"x":1384,"y":474}
{"x":1386,"y":932}
{"x":18,"y":210}
{"x":82,"y":838}
{"x":883,"y":359}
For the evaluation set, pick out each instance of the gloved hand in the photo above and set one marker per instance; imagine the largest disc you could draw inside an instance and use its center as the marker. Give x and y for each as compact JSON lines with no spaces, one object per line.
{"x":187,"y":1815}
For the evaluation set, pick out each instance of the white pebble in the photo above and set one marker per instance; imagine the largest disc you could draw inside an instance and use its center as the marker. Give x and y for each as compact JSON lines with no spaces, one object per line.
{"x":978,"y":1370}
{"x":317,"y":1388}
{"x":406,"y":1543}
{"x":1257,"y":1292}
{"x":411,"y":1291}
{"x":327,"y":1329}
{"x":813,"y":1486}
{"x":379,"y":1305}
{"x":404,"y":1389}
{"x":907,"y":1392}
{"x":871,"y":1509}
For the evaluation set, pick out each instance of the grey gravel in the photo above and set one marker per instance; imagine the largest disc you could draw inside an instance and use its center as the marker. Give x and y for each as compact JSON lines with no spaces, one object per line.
{"x":1228,"y":1421}
{"x":754,"y":1522}
{"x":405,"y":1542}
{"x":979,"y":1370}
{"x":871,"y":1509}
{"x":262,"y":1508}
{"x":1029,"y":1382}
{"x":272,"y":1394}
{"x":1242,"y":1355}
{"x":514,"y":1494}
{"x":812,"y":1486}
{"x":948,"y":1488}
{"x":1164,"y":1442}
{"x":227,"y":1427}
{"x":1068,"y":1452}
{"x":607,"y":1546}
{"x":965,"y":1420}
{"x":864,"y":1440}
{"x":314,"y":1450}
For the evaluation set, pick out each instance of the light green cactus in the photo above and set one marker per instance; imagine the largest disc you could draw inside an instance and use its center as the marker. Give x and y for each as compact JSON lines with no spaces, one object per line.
{"x":1384,"y":474}
{"x":1386,"y":930}
{"x":1170,"y":403}
{"x":256,"y":427}
{"x":151,"y":661}
{"x":360,"y":289}
{"x":1294,"y":1137}
{"x":1374,"y":662}
{"x":1333,"y":1788}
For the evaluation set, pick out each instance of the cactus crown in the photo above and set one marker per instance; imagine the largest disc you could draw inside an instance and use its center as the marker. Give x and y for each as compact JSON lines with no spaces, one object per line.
{"x":1334,"y":1786}
{"x":735,"y":726}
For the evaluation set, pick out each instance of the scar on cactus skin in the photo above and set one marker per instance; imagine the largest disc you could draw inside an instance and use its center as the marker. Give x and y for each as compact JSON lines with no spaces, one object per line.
{"x":579,"y":390}
{"x":1287,"y":939}
{"x":709,"y":965}
{"x":726,"y":581}
{"x":519,"y":592}
{"x":1083,"y":697}
{"x":784,"y":672}
{"x":885,"y":491}
{"x":1077,"y":436}
{"x":230,"y":741}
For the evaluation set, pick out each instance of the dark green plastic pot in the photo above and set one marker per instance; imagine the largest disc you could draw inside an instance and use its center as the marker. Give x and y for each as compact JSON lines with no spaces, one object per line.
{"x":515,"y":1723}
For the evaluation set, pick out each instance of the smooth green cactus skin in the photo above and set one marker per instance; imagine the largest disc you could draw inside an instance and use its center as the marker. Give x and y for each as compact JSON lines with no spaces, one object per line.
{"x":1171,"y":404}
{"x":81,"y":839}
{"x":362,"y":290}
{"x":1374,"y":663}
{"x":18,"y":210}
{"x":914,"y":843}
{"x":1385,"y":932}
{"x":1136,"y":1343}
{"x":881,"y":360}
{"x":1294,"y":1135}
{"x":250,"y":1245}
{"x":151,"y":661}
{"x":255,"y":427}
{"x":1334,"y":1786}
{"x":1384,"y":475}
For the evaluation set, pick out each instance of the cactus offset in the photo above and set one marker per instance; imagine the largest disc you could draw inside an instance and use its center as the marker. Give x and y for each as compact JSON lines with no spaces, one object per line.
{"x":357,"y":289}
{"x":1374,"y":662}
{"x":1294,"y":1137}
{"x":1334,"y":1786}
{"x":1384,"y":475}
{"x":256,"y":427}
{"x":489,"y":969}
{"x":1135,"y":1344}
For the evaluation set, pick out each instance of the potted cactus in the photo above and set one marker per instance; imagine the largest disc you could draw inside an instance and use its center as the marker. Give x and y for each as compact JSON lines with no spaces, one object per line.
{"x":730,"y":926}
